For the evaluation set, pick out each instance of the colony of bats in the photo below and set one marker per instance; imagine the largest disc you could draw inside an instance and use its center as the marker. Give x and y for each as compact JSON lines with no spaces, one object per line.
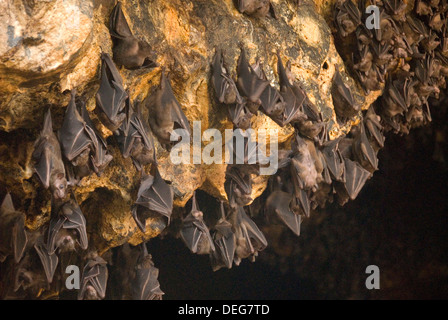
{"x":409,"y":55}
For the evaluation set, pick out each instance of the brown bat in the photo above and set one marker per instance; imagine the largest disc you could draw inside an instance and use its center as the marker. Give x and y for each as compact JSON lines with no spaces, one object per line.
{"x":303,"y":168}
{"x":363,"y":152}
{"x":225,"y":88}
{"x":49,"y":261}
{"x":355,"y":179}
{"x":225,"y":242}
{"x":67,"y":228}
{"x":347,"y":17}
{"x":135,"y":140}
{"x":145,"y":284}
{"x":240,"y":115}
{"x":238,"y":186}
{"x":128,"y":51}
{"x":333,"y":159}
{"x":165,"y":113}
{"x":154,"y":196}
{"x":111,"y":96}
{"x":374,"y":128}
{"x":249,"y":239}
{"x":94,"y":278}
{"x":49,"y":164}
{"x":195,"y":233}
{"x":257,"y":8}
{"x":344,"y":103}
{"x":396,"y":8}
{"x":13,"y":238}
{"x":279,"y":204}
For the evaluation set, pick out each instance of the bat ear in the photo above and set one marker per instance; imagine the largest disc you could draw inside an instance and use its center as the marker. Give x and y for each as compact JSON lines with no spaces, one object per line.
{"x":48,"y":124}
{"x":7,"y":203}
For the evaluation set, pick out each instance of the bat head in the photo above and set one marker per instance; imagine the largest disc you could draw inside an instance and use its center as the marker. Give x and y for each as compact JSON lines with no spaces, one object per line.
{"x":24,"y":279}
{"x":59,"y":186}
{"x":91,"y":293}
{"x":66,"y":240}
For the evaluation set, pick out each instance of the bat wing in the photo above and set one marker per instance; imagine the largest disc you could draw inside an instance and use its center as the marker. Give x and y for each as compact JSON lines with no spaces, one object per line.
{"x":333,"y":159}
{"x":248,"y":82}
{"x":41,"y":153}
{"x":49,"y":261}
{"x":76,"y":220}
{"x":244,"y":182}
{"x":53,"y":229}
{"x":95,"y":272}
{"x":342,"y":90}
{"x":304,"y":202}
{"x":363,"y":150}
{"x":225,"y":245}
{"x":19,"y":238}
{"x":255,"y":235}
{"x":191,"y":234}
{"x":111,"y":96}
{"x":170,"y":101}
{"x":118,"y":25}
{"x":72,"y":135}
{"x":278,"y":202}
{"x":355,"y":178}
{"x":271,"y":101}
{"x":146,"y":286}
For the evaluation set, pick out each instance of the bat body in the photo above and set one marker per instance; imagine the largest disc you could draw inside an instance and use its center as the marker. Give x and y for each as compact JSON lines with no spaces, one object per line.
{"x":347,"y":17}
{"x":135,"y":140}
{"x":256,"y":8}
{"x":49,"y":165}
{"x":278,"y":203}
{"x":374,"y":129}
{"x":67,"y":229}
{"x":363,"y":152}
{"x":225,"y":242}
{"x":344,"y":103}
{"x":195,"y":233}
{"x":240,"y":115}
{"x":49,"y":261}
{"x":13,"y":237}
{"x":128,"y":50}
{"x":225,"y":88}
{"x":303,"y":168}
{"x":154,"y":196}
{"x":94,"y":279}
{"x":238,"y":186}
{"x":111,"y":96}
{"x":165,"y":112}
{"x":333,"y":159}
{"x":146,"y":285}
{"x":249,"y":239}
{"x":355,"y":178}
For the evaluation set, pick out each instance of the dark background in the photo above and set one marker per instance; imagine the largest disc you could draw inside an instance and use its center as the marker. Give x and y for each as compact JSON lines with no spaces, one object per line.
{"x":398,"y":222}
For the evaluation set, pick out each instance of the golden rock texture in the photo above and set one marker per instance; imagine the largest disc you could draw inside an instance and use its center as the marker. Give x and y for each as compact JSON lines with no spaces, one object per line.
{"x":50,"y":47}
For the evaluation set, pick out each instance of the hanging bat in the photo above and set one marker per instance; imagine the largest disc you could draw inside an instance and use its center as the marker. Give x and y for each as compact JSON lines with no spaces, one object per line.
{"x":363,"y":152}
{"x":94,"y":279}
{"x":225,"y":88}
{"x":240,"y":115}
{"x":343,"y":101}
{"x":303,"y":168}
{"x":249,"y":84}
{"x":111,"y":96}
{"x":165,"y":113}
{"x":249,"y":239}
{"x":76,"y":143}
{"x":394,"y":101}
{"x":67,"y":228}
{"x":257,"y":8}
{"x":100,"y":158}
{"x":347,"y":17}
{"x":238,"y":186}
{"x":396,"y":8}
{"x":195,"y":233}
{"x":374,"y":129}
{"x":135,"y":140}
{"x":13,"y":237}
{"x":154,"y":196}
{"x":355,"y":178}
{"x":49,"y":261}
{"x":278,"y":203}
{"x":127,"y":49}
{"x":145,"y":285}
{"x":224,"y":240}
{"x":422,"y":8}
{"x":49,"y":165}
{"x":333,"y":159}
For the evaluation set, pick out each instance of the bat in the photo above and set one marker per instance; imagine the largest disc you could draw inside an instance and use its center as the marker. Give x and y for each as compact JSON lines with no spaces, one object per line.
{"x":165,"y":113}
{"x":29,"y":279}
{"x":128,"y":51}
{"x":135,"y":140}
{"x":224,"y":240}
{"x":111,"y":96}
{"x":394,"y":101}
{"x":343,"y":101}
{"x":154,"y":196}
{"x":303,"y":168}
{"x":238,"y":186}
{"x":49,"y":165}
{"x":374,"y":128}
{"x":195,"y":233}
{"x":67,"y":228}
{"x":333,"y":159}
{"x":249,"y":84}
{"x":355,"y":178}
{"x":94,"y":279}
{"x":13,"y":238}
{"x":278,"y":203}
{"x":257,"y":8}
{"x":423,"y":8}
{"x":396,"y":8}
{"x":249,"y":239}
{"x":101,"y":158}
{"x":363,"y":152}
{"x":145,"y":285}
{"x":293,"y":97}
{"x":48,"y":261}
{"x":347,"y":17}
{"x":240,"y":115}
{"x":225,"y":88}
